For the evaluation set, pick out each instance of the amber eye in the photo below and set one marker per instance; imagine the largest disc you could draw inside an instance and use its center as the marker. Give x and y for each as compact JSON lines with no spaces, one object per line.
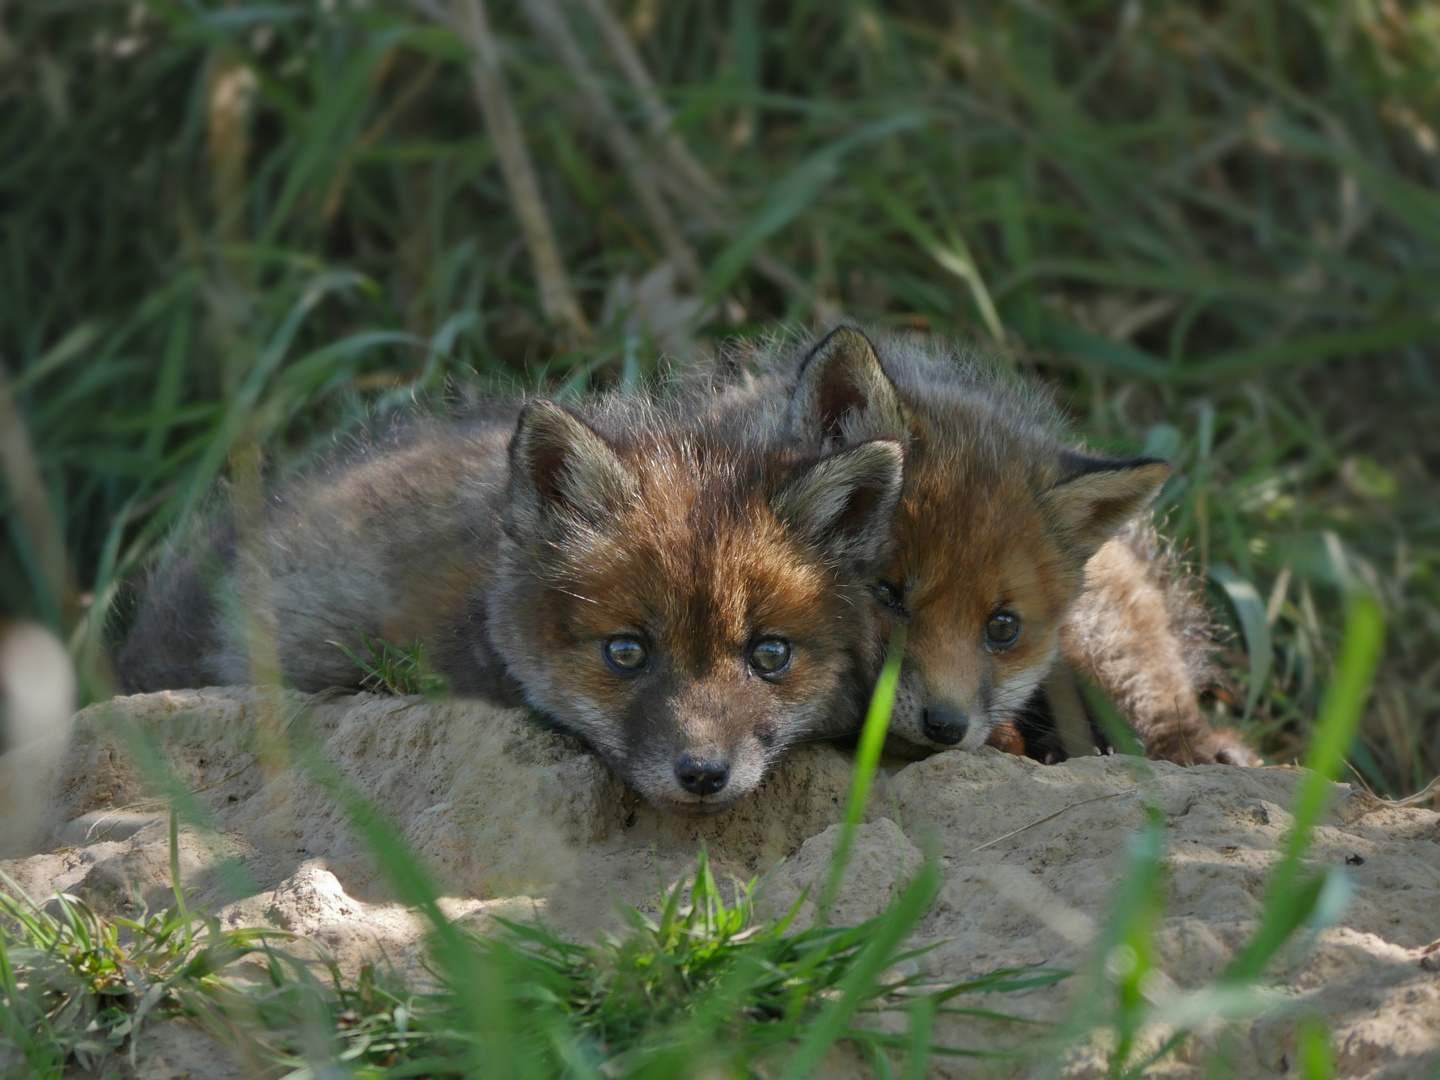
{"x":770,"y":655}
{"x":1002,"y":630}
{"x":626,"y":654}
{"x":889,"y":594}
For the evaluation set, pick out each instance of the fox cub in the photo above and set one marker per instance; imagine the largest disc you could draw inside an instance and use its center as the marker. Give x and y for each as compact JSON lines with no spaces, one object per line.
{"x":686,"y":599}
{"x":1014,"y":560}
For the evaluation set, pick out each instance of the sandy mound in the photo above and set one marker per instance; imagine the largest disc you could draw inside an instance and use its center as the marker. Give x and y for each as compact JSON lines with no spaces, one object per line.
{"x":512,"y":819}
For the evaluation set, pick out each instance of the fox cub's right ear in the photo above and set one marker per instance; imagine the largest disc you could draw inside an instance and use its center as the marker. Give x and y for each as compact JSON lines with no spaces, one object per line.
{"x":844,"y":396}
{"x":1092,"y":498}
{"x":560,"y":465}
{"x":844,"y":503}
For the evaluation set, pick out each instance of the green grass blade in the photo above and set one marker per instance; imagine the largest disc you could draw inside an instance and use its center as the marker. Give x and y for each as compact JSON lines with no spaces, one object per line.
{"x":1289,"y":900}
{"x":867,"y":760}
{"x":873,"y":959}
{"x":1113,"y":355}
{"x":791,"y":196}
{"x":1388,"y":335}
{"x":955,"y":257}
{"x":1250,"y":609}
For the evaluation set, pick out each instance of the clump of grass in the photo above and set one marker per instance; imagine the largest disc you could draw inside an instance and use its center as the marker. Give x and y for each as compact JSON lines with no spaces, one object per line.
{"x":705,"y":980}
{"x":401,"y":670}
{"x":705,"y":984}
{"x":78,"y":986}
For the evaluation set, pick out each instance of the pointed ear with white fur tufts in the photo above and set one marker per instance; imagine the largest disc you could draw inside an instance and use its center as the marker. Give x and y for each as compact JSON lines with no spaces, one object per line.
{"x":1095,"y":497}
{"x":843,"y":396}
{"x":560,"y":465}
{"x":845,"y":502}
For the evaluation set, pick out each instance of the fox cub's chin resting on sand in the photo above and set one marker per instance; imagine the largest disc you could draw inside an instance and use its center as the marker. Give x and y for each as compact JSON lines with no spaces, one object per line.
{"x":1013,"y":559}
{"x":687,"y":599}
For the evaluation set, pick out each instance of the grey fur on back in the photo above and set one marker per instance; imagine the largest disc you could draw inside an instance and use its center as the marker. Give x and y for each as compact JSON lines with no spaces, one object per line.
{"x":381,"y":540}
{"x":176,"y":637}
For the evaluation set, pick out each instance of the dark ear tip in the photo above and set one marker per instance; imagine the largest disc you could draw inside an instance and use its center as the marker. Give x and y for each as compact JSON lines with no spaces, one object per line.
{"x":1074,"y":464}
{"x":841,"y":335}
{"x":1153,"y":464}
{"x":537,"y":425}
{"x":542,"y":413}
{"x":849,"y":331}
{"x":891,"y":449}
{"x":1145,"y":462}
{"x":535,"y":407}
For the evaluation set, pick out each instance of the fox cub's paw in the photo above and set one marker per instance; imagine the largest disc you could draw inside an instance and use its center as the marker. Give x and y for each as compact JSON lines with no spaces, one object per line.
{"x":1231,"y":750}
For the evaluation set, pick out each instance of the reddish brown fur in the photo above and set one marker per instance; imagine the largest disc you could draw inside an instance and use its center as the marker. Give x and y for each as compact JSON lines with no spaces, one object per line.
{"x":1007,"y":738}
{"x":700,"y":565}
{"x":976,"y":533}
{"x":997,"y":514}
{"x":633,"y":523}
{"x":1123,"y":632}
{"x":969,"y":539}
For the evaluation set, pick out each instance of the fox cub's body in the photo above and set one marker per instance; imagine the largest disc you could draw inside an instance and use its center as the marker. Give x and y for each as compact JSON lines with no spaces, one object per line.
{"x":693,"y":587}
{"x":1006,"y":559}
{"x":686,"y":600}
{"x":387,"y":542}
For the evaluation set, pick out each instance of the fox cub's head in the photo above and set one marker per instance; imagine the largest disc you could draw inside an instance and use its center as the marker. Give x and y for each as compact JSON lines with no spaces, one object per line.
{"x":995,"y":524}
{"x":688,"y":606}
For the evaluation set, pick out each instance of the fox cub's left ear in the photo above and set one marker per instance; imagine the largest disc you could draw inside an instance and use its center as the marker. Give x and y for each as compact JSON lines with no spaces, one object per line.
{"x":562,"y":468}
{"x":844,"y":503}
{"x":843,"y":395}
{"x":1094,"y":497}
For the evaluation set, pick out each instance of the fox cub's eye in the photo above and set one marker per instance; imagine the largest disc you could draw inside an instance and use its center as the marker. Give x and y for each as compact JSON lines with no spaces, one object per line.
{"x":626,"y":653}
{"x":889,"y":594}
{"x":1002,"y":630}
{"x":770,"y":655}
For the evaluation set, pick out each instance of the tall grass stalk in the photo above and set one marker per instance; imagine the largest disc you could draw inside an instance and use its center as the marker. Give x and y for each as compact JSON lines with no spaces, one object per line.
{"x":867,"y":761}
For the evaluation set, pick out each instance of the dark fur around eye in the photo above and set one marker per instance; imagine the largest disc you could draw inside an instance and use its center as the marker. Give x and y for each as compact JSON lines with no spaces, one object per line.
{"x":626,"y":654}
{"x":1002,"y":630}
{"x":889,"y":594}
{"x":770,"y":656}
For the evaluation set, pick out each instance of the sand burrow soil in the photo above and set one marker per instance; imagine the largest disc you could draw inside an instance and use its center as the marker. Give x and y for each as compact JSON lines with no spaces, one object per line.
{"x":517,"y":821}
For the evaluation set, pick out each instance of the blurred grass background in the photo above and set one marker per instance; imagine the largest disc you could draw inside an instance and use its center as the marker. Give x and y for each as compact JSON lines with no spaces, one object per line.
{"x":236,"y":229}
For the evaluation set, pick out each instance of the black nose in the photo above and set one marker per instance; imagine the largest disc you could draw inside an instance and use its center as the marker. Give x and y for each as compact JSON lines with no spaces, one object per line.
{"x":701,"y":777}
{"x":945,"y":725}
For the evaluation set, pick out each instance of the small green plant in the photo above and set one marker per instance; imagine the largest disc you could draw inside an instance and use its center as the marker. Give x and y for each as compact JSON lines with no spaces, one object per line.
{"x":704,"y":982}
{"x":75,"y":985}
{"x":392,"y":669}
{"x":704,"y":977}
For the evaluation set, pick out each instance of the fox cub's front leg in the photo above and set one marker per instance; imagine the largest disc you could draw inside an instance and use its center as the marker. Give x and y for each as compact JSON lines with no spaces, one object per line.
{"x":1128,"y":632}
